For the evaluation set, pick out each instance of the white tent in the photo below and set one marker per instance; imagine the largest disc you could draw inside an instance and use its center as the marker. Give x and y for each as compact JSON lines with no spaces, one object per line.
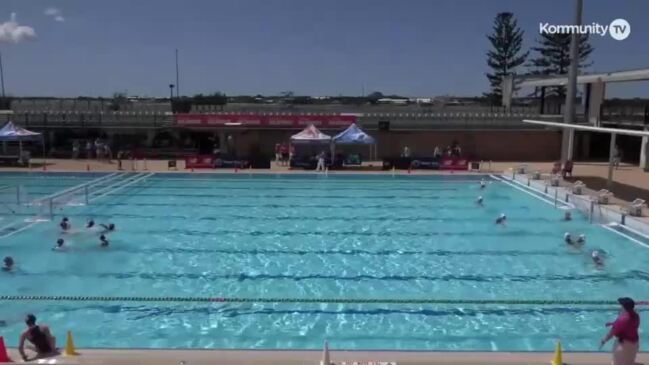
{"x":310,"y":135}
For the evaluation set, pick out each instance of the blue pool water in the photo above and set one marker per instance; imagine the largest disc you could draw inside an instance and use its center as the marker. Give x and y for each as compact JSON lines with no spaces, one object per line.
{"x":318,"y":237}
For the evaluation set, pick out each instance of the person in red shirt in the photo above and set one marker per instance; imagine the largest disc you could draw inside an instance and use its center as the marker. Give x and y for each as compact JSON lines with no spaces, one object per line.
{"x":625,"y":330}
{"x":283,"y":149}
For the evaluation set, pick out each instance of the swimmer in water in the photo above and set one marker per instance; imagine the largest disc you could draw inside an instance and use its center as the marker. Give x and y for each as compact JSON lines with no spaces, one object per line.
{"x":103,"y":241}
{"x":59,"y":245}
{"x":91,"y":223}
{"x":567,"y":216}
{"x":65,"y":224}
{"x":598,"y":258}
{"x":483,"y":184}
{"x":479,"y":201}
{"x":581,"y":240}
{"x":502,"y":219}
{"x":567,"y":238}
{"x":8,"y":264}
{"x":108,"y":228}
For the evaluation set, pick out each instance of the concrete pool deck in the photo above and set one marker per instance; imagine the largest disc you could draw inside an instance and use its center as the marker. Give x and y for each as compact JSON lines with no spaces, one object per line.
{"x":298,"y":357}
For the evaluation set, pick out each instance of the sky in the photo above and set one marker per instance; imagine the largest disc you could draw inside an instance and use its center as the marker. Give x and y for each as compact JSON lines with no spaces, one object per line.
{"x":310,"y":47}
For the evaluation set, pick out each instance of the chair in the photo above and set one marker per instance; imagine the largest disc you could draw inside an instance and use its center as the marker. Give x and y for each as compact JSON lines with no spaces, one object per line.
{"x":635,"y":208}
{"x":578,"y":187}
{"x":603,"y":196}
{"x":567,"y":169}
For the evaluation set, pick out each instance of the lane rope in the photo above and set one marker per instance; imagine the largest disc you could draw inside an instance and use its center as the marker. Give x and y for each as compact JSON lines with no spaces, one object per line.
{"x":307,"y":300}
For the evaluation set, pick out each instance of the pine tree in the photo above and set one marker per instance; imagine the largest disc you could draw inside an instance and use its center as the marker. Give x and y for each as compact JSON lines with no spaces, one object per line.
{"x":506,"y":53}
{"x":553,"y":57}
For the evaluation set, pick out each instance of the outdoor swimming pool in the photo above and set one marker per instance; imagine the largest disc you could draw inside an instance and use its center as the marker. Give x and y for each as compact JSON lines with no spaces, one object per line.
{"x":308,"y":236}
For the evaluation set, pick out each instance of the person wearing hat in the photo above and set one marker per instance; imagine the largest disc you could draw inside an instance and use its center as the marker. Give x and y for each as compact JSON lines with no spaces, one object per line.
{"x":625,"y":330}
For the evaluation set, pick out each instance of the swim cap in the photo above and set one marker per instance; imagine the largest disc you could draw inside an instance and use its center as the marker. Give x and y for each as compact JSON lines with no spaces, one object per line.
{"x":60,"y":241}
{"x":502,"y":215}
{"x":582,"y":236}
{"x":566,"y":235}
{"x":595,"y":254}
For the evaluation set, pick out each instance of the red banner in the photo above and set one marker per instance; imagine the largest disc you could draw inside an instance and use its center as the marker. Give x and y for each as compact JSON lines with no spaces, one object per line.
{"x":199,"y":162}
{"x":454,"y":163}
{"x":264,"y":120}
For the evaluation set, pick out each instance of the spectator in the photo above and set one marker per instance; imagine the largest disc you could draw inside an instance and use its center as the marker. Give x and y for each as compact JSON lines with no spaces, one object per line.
{"x":278,"y":153}
{"x":75,"y":149}
{"x":625,"y":330}
{"x":617,"y":156}
{"x":43,"y":343}
{"x":88,"y":149}
{"x":120,"y":155}
{"x":406,"y":152}
{"x":283,"y":150}
{"x":321,"y":161}
{"x":437,"y":152}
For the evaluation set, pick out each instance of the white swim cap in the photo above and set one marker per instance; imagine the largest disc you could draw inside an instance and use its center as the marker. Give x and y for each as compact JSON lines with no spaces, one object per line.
{"x":566,"y":235}
{"x":502,"y":215}
{"x":583,"y":236}
{"x":595,"y":254}
{"x":480,"y":197}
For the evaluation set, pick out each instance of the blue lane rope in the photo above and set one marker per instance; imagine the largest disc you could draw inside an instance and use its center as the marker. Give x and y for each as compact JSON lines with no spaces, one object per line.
{"x":306,"y":300}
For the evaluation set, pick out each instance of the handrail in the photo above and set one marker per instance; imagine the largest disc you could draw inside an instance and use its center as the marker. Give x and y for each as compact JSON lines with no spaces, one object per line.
{"x":125,"y":184}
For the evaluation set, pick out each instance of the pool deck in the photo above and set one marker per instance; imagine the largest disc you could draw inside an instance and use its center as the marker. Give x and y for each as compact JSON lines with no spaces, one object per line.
{"x":282,"y":357}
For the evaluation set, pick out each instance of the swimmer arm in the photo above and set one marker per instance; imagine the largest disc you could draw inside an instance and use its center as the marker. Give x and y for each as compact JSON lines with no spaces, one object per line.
{"x":21,"y":346}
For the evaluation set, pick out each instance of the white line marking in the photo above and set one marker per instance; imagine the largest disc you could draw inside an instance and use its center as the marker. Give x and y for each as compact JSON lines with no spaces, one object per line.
{"x":19,"y":230}
{"x":625,"y":236}
{"x":541,"y":198}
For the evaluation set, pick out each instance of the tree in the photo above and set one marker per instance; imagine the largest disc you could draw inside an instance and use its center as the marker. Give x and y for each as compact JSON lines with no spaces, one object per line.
{"x":553,"y":57}
{"x":374,"y":97}
{"x":506,"y":53}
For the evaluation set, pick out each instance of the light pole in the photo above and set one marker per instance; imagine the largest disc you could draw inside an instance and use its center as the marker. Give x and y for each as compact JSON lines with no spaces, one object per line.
{"x":2,"y":78}
{"x":569,"y":114}
{"x":171,"y":91}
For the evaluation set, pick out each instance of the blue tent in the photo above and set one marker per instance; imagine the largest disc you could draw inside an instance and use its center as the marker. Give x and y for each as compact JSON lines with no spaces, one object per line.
{"x":353,"y":135}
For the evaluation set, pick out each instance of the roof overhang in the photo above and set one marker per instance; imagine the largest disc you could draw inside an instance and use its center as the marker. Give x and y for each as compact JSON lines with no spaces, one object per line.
{"x":558,"y":80}
{"x":628,"y":132}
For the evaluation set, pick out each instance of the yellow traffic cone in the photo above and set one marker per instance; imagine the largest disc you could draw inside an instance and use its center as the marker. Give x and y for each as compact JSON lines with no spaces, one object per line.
{"x":69,"y":346}
{"x":557,"y":355}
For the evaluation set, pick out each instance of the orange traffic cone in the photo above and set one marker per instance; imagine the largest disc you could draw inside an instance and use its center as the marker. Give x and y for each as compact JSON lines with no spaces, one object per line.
{"x":4,"y":356}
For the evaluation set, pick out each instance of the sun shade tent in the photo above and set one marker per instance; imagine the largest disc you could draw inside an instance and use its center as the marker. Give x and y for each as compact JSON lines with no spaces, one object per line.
{"x":353,"y":135}
{"x":310,"y":136}
{"x":13,"y":133}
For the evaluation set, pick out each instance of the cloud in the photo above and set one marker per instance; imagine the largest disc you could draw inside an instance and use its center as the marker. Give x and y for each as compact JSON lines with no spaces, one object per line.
{"x":12,"y":32}
{"x":55,"y":14}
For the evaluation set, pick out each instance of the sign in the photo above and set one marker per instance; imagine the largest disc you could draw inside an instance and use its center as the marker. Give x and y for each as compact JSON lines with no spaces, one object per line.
{"x":263,"y":121}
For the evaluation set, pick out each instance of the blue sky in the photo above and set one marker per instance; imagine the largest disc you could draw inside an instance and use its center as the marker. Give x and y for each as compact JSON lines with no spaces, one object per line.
{"x":315,"y":47}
